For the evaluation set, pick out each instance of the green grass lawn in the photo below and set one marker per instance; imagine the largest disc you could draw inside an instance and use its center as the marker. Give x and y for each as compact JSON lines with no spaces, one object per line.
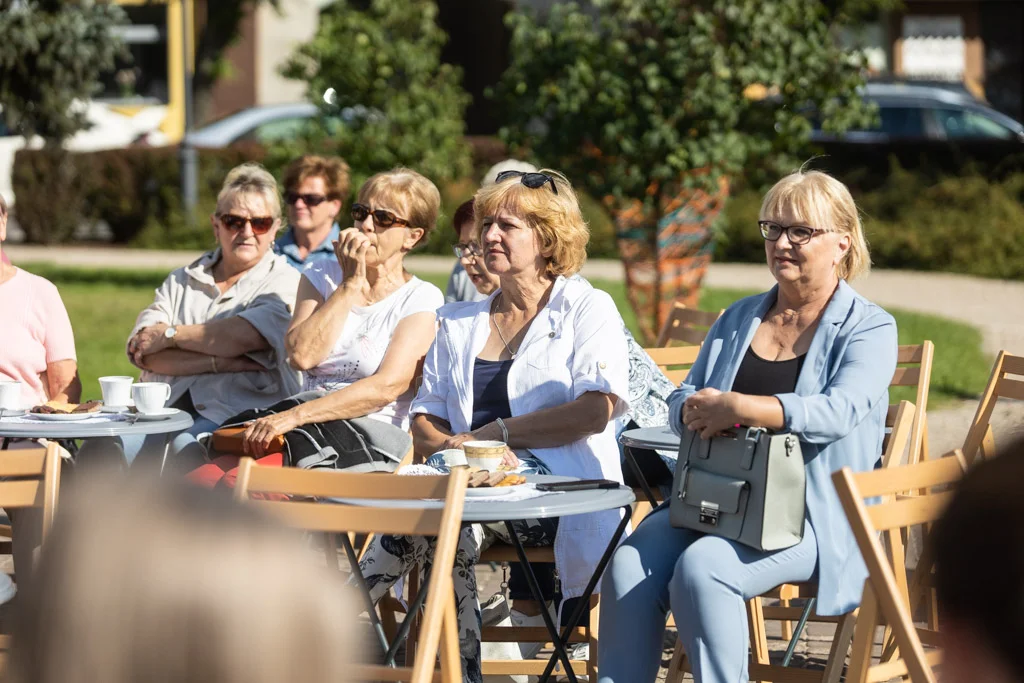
{"x":103,"y":305}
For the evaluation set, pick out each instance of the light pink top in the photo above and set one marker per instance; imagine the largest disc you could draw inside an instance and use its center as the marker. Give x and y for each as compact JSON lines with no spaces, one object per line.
{"x":34,"y":330}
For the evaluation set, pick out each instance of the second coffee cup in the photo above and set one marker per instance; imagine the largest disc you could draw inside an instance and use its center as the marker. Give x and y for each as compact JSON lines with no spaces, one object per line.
{"x":150,"y":397}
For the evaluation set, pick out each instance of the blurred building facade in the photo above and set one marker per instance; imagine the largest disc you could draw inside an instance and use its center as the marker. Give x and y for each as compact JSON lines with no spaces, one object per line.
{"x":976,"y":43}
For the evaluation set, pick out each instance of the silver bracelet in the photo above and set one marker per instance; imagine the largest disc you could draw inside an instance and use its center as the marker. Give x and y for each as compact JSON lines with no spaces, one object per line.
{"x":504,"y":430}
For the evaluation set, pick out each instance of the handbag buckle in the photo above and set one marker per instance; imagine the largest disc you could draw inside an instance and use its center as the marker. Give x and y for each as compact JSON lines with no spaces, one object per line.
{"x":708,"y":513}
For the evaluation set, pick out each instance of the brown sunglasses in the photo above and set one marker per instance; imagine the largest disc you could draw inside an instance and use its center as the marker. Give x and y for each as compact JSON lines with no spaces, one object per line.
{"x":382,"y":218}
{"x":260,"y":224}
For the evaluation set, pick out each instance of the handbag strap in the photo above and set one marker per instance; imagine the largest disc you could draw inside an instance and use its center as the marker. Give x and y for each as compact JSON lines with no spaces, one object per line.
{"x":750,"y":442}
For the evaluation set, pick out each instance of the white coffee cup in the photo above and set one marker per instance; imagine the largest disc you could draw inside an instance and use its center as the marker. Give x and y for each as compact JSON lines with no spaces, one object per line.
{"x":150,"y":397}
{"x":10,"y":395}
{"x":117,"y":390}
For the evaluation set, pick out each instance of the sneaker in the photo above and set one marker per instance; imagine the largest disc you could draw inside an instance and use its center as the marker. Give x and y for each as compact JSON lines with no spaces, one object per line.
{"x":7,"y":588}
{"x":577,"y":651}
{"x":528,"y":650}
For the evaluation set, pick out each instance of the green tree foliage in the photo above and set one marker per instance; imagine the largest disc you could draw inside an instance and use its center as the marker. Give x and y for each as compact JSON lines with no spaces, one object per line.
{"x":52,"y":54}
{"x":386,"y":59}
{"x":626,"y":95}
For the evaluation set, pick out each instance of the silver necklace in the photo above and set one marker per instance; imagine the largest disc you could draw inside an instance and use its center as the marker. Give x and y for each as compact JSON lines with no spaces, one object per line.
{"x":498,"y":330}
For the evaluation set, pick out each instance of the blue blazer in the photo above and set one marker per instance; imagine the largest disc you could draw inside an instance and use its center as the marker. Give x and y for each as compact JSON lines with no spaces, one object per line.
{"x":837,"y":410}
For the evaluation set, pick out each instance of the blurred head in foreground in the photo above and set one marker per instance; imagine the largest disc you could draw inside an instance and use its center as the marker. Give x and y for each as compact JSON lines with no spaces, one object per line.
{"x":979,"y":551}
{"x":177,"y":585}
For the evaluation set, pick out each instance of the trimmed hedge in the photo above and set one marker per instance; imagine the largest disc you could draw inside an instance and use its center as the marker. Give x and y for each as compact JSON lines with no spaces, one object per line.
{"x":963,"y":224}
{"x":136,"y":191}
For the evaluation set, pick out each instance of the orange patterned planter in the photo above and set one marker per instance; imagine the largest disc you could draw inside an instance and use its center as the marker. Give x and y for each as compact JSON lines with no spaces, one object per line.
{"x":667,"y":251}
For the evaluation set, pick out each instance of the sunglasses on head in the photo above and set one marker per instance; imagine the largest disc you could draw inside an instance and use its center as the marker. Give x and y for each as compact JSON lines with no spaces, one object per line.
{"x":382,"y":218}
{"x":310,"y":200}
{"x":260,"y":224}
{"x":531,"y":180}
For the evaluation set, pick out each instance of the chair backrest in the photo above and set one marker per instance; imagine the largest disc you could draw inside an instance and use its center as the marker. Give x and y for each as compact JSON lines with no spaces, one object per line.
{"x":343,"y":513}
{"x":30,"y":478}
{"x":686,"y":325}
{"x":1001,"y":384}
{"x":914,"y":369}
{"x":899,"y":420}
{"x":674,"y":361}
{"x":888,"y":596}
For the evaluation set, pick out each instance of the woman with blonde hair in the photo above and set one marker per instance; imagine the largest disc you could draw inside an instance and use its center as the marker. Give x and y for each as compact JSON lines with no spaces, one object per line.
{"x":362,"y":324}
{"x":215,"y":331}
{"x":178,"y":585}
{"x":540,"y":365}
{"x":810,"y":357}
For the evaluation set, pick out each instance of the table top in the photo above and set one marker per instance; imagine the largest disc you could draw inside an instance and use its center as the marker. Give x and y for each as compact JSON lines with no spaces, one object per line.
{"x":652,"y":438}
{"x":543,"y":507}
{"x":178,"y":422}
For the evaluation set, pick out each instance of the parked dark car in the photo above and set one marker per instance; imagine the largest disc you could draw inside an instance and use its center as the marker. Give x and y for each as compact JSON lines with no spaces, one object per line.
{"x":938,"y":130}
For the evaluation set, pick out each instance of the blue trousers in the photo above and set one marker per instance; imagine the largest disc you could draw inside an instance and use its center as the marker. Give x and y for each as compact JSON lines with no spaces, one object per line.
{"x":129,"y":448}
{"x":705,"y":580}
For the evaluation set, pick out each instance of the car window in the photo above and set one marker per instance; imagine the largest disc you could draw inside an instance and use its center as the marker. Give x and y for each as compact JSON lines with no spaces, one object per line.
{"x":278,"y":130}
{"x":901,"y":122}
{"x":962,"y":123}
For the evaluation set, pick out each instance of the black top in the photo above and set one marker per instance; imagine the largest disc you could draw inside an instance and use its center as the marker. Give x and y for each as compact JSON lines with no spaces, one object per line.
{"x":490,"y":391}
{"x":759,"y":377}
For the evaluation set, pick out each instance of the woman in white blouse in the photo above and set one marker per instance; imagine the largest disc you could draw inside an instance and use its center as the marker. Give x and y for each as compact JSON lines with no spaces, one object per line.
{"x":541,"y":364}
{"x":362,"y":323}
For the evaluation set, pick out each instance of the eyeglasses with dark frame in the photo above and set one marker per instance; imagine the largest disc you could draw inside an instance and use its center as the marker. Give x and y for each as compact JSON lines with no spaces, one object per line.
{"x":465,"y":250}
{"x":260,"y":224}
{"x":797,"y":234}
{"x":381,"y":217}
{"x":309,"y":200}
{"x":531,"y":180}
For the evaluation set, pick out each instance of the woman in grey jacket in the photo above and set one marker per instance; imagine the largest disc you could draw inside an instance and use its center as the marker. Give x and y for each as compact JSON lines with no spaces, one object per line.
{"x":810,"y":357}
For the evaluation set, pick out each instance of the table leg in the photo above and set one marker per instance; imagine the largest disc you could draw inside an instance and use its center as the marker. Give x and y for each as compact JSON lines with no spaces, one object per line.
{"x":638,"y":475}
{"x":584,"y":600}
{"x":371,"y":609}
{"x":167,"y":448}
{"x":531,"y":580}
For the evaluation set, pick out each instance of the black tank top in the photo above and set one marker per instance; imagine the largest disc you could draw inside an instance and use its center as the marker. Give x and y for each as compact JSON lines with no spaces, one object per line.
{"x":759,"y":377}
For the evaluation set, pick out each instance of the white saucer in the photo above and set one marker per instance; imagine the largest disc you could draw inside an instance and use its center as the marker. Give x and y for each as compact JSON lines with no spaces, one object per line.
{"x":488,"y":491}
{"x":12,"y":412}
{"x":161,"y":414}
{"x":113,"y":409}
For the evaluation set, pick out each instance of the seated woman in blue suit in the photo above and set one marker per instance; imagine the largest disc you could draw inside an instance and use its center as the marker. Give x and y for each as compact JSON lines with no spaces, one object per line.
{"x":811,"y":357}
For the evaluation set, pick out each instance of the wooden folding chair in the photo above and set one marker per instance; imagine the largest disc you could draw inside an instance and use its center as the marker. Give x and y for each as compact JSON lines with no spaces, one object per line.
{"x":979,"y":441}
{"x":914,"y":369}
{"x":29,"y":478}
{"x":900,"y":418}
{"x":889,"y":596}
{"x":686,"y":325}
{"x":439,"y":633}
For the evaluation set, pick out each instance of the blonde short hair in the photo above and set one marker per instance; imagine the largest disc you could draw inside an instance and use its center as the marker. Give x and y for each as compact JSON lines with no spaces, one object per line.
{"x":176,"y":583}
{"x":412,"y":189}
{"x":826,"y":204}
{"x":555,"y":217}
{"x":250,"y":178}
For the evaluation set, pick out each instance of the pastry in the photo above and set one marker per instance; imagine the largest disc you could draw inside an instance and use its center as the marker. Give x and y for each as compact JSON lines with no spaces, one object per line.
{"x":88,"y":407}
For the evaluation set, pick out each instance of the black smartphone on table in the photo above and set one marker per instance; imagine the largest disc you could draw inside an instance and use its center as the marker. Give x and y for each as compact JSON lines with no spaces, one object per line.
{"x":578,"y":485}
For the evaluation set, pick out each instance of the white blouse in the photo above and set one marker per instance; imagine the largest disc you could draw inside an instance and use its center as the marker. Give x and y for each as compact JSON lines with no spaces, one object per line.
{"x":366,"y":335}
{"x":574,"y":345}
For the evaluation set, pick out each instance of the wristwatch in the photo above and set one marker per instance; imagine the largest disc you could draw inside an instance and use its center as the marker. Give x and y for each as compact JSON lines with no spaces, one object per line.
{"x":170,"y":333}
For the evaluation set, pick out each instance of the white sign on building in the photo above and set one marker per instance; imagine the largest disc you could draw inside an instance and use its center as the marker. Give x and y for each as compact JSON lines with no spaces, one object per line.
{"x":933,"y":47}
